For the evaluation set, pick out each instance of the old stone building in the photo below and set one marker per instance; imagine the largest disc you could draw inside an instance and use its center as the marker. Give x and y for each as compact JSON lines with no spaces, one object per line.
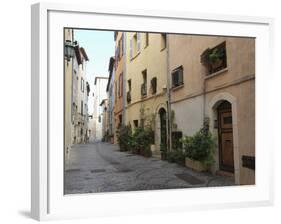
{"x":76,"y":91}
{"x":110,"y":96}
{"x":99,"y":94}
{"x":119,"y":77}
{"x":212,"y":78}
{"x":146,"y":84}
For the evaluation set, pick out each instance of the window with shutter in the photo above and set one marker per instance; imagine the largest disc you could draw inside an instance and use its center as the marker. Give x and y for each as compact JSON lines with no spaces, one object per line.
{"x":214,"y":59}
{"x":177,"y":77}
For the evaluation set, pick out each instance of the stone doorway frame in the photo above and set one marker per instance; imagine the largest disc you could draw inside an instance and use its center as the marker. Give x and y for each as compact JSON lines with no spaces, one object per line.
{"x":212,"y":112}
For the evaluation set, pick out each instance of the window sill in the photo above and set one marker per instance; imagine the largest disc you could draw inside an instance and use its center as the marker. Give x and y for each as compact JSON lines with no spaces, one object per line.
{"x":216,"y":73}
{"x":177,"y":87}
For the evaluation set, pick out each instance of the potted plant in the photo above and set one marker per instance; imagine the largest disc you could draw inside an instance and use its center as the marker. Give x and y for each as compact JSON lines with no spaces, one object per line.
{"x":216,"y":58}
{"x":213,"y":59}
{"x":199,"y":150}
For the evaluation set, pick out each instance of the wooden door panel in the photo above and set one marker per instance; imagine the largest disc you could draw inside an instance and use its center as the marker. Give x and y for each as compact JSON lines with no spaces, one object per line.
{"x":225,"y":139}
{"x":226,"y":120}
{"x":227,"y":149}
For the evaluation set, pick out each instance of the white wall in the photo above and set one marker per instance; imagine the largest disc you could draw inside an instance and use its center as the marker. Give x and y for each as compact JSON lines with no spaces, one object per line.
{"x":15,"y":124}
{"x":189,"y":115}
{"x":99,"y":90}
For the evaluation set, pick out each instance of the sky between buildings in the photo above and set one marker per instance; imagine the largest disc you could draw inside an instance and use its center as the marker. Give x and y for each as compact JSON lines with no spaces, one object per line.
{"x":99,"y":46}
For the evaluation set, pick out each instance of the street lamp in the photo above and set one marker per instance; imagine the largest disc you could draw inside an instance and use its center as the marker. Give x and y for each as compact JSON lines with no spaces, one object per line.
{"x":68,"y":50}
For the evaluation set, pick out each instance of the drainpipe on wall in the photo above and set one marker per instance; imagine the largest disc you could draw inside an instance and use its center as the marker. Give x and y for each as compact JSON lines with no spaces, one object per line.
{"x":168,"y":92}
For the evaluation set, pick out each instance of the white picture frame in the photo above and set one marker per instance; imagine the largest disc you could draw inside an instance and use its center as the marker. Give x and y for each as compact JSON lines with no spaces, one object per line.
{"x":48,"y":201}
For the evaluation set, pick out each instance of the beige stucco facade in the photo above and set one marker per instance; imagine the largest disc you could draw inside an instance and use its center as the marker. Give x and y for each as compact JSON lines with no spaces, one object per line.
{"x":146,"y":58}
{"x":201,"y":93}
{"x":76,"y":91}
{"x":68,"y":68}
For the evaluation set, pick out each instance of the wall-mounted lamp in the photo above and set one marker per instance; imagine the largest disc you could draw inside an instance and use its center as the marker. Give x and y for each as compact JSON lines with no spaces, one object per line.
{"x":68,"y":50}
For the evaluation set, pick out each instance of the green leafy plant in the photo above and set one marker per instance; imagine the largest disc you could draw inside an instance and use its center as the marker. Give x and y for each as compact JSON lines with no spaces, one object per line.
{"x":200,"y":147}
{"x":216,"y":54}
{"x":176,"y":156}
{"x":143,"y":138}
{"x":125,"y":138}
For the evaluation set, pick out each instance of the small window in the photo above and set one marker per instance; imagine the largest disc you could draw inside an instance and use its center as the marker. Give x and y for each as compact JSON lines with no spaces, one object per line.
{"x":129,"y":84}
{"x":82,"y":104}
{"x":177,"y":77}
{"x":163,"y":40}
{"x":144,"y":84}
{"x":146,"y":39}
{"x":136,"y":123}
{"x":153,"y":84}
{"x":129,"y":97}
{"x":214,"y":59}
{"x":135,"y":45}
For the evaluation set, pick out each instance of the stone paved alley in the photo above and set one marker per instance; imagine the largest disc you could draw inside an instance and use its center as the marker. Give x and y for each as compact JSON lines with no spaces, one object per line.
{"x":101,"y":167}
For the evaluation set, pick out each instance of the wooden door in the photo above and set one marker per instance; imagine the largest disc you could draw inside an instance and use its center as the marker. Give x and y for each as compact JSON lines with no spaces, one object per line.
{"x":225,"y":137}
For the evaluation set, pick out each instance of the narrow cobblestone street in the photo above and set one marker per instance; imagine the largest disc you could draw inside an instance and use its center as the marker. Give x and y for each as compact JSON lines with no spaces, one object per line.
{"x":101,"y":167}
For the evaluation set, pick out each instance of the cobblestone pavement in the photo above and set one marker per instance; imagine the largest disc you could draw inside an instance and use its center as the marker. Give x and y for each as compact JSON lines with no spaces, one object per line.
{"x":101,"y":167}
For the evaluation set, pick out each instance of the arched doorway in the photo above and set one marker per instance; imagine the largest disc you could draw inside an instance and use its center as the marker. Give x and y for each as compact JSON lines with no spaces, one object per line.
{"x":163,"y":126}
{"x":225,"y":136}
